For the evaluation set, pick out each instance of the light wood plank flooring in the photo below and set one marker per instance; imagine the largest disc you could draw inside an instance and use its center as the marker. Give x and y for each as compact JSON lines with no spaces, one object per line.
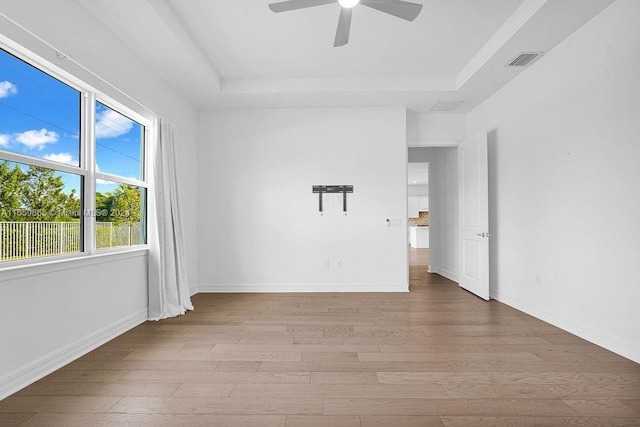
{"x":436,"y":356}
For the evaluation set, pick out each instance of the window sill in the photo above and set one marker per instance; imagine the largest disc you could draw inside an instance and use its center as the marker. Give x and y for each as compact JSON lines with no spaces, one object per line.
{"x":52,"y":266}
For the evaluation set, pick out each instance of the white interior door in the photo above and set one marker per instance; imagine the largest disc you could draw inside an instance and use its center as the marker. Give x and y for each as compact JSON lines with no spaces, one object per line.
{"x":474,"y":215}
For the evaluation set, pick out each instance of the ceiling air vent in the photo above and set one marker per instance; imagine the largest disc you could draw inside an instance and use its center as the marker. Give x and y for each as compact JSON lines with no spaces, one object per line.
{"x":446,"y":105}
{"x":524,"y":59}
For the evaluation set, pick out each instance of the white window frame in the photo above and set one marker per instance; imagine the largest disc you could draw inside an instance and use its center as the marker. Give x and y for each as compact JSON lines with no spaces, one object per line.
{"x":87,"y":160}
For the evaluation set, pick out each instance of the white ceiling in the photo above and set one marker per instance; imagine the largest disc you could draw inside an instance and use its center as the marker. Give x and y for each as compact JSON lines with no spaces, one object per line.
{"x":239,"y":54}
{"x":244,"y":39}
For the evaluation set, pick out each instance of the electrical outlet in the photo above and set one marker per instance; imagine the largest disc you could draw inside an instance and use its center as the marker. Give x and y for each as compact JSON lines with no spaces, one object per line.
{"x":338,"y":264}
{"x":327,"y":264}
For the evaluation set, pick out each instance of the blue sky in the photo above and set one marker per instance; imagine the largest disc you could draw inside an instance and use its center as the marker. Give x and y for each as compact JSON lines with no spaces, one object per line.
{"x":40,"y":117}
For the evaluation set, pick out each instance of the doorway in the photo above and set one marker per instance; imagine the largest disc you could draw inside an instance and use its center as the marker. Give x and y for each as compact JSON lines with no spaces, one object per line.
{"x":418,"y":217}
{"x":443,"y":252}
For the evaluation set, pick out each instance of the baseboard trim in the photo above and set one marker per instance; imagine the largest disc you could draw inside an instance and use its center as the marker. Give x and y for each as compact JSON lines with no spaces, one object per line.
{"x":597,"y":337}
{"x":448,"y":274}
{"x":21,"y":377}
{"x":300,"y":287}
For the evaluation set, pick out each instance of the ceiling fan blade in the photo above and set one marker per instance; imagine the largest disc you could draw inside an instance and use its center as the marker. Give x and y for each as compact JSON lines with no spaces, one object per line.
{"x":344,"y":27}
{"x":285,"y":6}
{"x":398,"y":8}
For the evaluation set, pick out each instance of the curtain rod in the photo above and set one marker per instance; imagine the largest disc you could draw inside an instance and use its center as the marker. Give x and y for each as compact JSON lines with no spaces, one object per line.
{"x":67,"y":57}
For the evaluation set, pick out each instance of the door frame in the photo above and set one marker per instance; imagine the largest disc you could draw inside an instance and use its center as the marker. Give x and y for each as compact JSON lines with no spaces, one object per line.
{"x":442,"y":144}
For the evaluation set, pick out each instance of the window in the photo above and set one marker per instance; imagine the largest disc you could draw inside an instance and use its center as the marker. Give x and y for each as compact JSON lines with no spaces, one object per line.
{"x":51,"y":202}
{"x":120,"y":215}
{"x":39,"y":115}
{"x":120,"y":199}
{"x":41,"y":212}
{"x":119,"y":143}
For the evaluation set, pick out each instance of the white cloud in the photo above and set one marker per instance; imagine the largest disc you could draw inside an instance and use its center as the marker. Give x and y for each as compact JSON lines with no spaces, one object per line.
{"x":37,"y":138}
{"x":110,"y":124}
{"x":61,"y":158}
{"x":7,"y":89}
{"x":4,"y":140}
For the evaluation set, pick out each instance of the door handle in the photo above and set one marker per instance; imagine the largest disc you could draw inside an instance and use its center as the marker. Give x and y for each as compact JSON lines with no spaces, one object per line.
{"x":483,"y":234}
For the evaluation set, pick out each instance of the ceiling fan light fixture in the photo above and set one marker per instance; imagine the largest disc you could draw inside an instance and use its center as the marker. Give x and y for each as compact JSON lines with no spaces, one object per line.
{"x":348,"y":4}
{"x":399,"y":8}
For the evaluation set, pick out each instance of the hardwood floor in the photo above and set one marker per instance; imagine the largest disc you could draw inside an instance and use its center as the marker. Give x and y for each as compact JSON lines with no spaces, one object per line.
{"x":437,"y":356}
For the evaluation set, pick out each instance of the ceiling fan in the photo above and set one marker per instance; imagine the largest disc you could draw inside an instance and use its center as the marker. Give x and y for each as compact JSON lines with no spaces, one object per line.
{"x":398,"y":8}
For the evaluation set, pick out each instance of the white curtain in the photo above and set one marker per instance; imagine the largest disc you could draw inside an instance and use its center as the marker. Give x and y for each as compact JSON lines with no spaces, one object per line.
{"x":169,"y":294}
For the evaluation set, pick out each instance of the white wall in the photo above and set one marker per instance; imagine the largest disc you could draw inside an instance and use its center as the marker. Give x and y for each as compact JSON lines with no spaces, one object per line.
{"x":564,"y":153}
{"x":48,"y":319}
{"x":443,"y":208}
{"x":51,"y":317}
{"x":443,"y":129}
{"x":260,"y":229}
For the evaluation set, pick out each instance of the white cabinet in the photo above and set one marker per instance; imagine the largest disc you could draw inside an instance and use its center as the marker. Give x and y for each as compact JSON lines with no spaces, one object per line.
{"x":423,"y":204}
{"x":419,"y":237}
{"x":418,"y":204}
{"x":414,"y":207}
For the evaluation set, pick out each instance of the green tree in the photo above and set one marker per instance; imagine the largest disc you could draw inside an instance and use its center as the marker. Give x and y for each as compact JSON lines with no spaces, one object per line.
{"x":104,"y":203}
{"x":43,"y":194}
{"x":72,"y":207}
{"x":10,"y":190}
{"x":127,"y":205}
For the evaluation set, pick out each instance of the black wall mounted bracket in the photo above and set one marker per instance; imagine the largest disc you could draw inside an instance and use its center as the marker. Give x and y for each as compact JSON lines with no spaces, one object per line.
{"x":333,"y":189}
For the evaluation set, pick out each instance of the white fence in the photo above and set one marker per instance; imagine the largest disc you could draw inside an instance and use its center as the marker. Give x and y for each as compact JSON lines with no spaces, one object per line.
{"x":110,"y":236}
{"x":22,"y":240}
